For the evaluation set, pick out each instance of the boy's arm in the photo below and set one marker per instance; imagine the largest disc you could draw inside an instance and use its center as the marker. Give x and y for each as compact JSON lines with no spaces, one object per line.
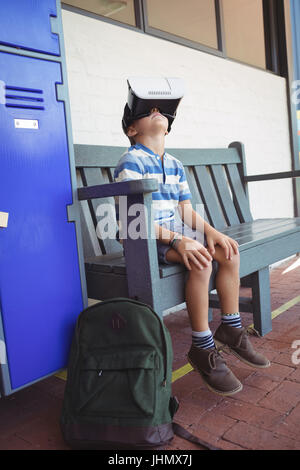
{"x":214,"y":237}
{"x":191,"y":218}
{"x":163,"y":234}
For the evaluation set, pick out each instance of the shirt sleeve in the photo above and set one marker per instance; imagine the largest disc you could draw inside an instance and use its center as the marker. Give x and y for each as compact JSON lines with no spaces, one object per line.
{"x":128,"y":168}
{"x":184,"y":190}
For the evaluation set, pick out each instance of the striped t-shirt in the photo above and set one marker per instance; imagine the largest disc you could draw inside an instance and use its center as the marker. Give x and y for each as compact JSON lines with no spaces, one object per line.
{"x":139,"y":162}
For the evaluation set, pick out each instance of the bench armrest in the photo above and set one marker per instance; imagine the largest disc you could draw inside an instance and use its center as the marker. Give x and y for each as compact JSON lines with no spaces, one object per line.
{"x":272,"y":176}
{"x":124,"y":188}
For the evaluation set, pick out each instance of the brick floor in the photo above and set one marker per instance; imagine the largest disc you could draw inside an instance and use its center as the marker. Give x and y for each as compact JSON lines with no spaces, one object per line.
{"x":264,"y":415}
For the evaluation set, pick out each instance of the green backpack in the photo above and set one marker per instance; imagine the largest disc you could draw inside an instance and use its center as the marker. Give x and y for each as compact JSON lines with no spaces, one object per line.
{"x":118,"y":391}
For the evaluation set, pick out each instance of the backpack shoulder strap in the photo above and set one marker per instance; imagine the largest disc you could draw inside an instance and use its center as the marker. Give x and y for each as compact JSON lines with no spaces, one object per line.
{"x":184,"y":434}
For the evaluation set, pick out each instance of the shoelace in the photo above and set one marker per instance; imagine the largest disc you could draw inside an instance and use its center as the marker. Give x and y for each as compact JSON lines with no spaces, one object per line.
{"x":212,"y":357}
{"x":252,"y":331}
{"x":246,"y":332}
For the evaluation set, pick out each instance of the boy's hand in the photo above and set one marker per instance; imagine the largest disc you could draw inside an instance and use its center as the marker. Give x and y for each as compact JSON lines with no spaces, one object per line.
{"x":192,"y":250}
{"x":214,"y":237}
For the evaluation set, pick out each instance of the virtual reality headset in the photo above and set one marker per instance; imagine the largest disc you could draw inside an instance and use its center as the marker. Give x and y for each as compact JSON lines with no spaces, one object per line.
{"x":147,"y":93}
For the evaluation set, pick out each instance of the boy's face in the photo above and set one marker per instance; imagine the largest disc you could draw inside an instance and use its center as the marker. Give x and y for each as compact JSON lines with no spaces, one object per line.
{"x":151,"y":125}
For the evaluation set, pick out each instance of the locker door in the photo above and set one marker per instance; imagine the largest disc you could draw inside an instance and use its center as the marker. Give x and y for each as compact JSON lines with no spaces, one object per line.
{"x":40,"y":288}
{"x":26,"y":24}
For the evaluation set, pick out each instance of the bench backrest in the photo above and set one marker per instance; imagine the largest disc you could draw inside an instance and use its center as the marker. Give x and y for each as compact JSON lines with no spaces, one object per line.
{"x":215,"y":178}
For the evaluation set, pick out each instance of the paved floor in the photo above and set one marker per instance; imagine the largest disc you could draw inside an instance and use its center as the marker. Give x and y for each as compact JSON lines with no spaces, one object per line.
{"x":264,"y":415}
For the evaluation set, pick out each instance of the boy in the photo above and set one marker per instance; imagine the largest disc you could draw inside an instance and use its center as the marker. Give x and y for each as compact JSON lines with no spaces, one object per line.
{"x":146,"y":158}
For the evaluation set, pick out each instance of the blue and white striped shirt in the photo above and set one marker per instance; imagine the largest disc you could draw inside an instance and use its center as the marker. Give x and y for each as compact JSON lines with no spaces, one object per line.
{"x":139,"y":162}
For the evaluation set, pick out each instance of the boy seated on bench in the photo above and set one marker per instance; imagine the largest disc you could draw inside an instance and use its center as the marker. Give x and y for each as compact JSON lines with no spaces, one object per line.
{"x":146,"y":158}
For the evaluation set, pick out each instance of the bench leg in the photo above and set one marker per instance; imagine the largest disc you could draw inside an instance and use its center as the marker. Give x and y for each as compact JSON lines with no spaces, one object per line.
{"x":210,"y":314}
{"x":148,"y":294}
{"x":261,"y":301}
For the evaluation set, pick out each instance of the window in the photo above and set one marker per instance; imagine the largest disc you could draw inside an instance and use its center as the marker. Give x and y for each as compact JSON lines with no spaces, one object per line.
{"x":192,"y":19}
{"x":244,"y":31}
{"x":119,"y":10}
{"x":250,"y":31}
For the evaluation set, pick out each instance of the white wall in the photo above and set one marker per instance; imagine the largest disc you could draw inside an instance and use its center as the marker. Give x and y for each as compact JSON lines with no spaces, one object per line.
{"x":225,"y":101}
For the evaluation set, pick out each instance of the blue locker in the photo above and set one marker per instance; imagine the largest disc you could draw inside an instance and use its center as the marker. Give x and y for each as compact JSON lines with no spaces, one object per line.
{"x":26,"y":24}
{"x":40,"y":285}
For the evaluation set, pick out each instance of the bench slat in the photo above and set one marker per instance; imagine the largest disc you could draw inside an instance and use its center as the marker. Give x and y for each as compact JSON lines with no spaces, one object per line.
{"x":209,"y":197}
{"x":118,"y":266}
{"x":193,"y":157}
{"x":252,"y":227}
{"x":92,"y":177}
{"x":105,"y":263}
{"x":225,"y":198}
{"x":110,"y":174}
{"x":96,"y":156}
{"x":196,"y":198}
{"x":265,"y":236}
{"x":91,"y":246}
{"x":268,"y":252}
{"x":239,"y":197}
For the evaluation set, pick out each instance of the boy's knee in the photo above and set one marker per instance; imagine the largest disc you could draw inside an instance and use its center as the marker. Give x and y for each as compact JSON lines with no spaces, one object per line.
{"x":235,"y":259}
{"x":205,"y":272}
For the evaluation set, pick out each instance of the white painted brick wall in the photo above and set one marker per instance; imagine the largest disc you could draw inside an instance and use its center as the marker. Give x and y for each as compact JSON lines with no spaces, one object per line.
{"x":225,"y":101}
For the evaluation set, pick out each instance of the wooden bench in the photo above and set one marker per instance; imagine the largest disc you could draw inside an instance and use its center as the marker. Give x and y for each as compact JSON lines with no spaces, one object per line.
{"x":217,"y":178}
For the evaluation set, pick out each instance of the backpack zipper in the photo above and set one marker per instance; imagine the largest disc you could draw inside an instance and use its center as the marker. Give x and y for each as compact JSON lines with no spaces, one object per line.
{"x":164,"y":382}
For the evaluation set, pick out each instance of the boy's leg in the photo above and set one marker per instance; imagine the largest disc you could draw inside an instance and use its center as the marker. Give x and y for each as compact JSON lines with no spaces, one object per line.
{"x":227,"y":281}
{"x":196,"y":292}
{"x":203,"y":355}
{"x":231,"y":333}
{"x":196,"y":288}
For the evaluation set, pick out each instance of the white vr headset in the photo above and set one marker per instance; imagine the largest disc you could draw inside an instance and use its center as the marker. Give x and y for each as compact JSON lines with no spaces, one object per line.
{"x":145,"y":94}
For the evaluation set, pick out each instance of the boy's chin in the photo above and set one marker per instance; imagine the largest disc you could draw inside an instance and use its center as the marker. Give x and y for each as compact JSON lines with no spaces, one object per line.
{"x":159,"y":129}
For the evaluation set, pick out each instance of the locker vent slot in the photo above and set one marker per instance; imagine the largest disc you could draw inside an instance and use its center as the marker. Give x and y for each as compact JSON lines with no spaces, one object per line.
{"x":23,"y":106}
{"x":16,"y":97}
{"x":32,"y":101}
{"x":30,"y":90}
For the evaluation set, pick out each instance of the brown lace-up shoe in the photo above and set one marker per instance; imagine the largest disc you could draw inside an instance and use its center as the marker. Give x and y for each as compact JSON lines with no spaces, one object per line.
{"x":214,"y":371}
{"x":236,"y":341}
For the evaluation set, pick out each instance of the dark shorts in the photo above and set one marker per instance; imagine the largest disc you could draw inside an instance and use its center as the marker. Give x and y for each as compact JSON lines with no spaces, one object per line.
{"x":185,"y":230}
